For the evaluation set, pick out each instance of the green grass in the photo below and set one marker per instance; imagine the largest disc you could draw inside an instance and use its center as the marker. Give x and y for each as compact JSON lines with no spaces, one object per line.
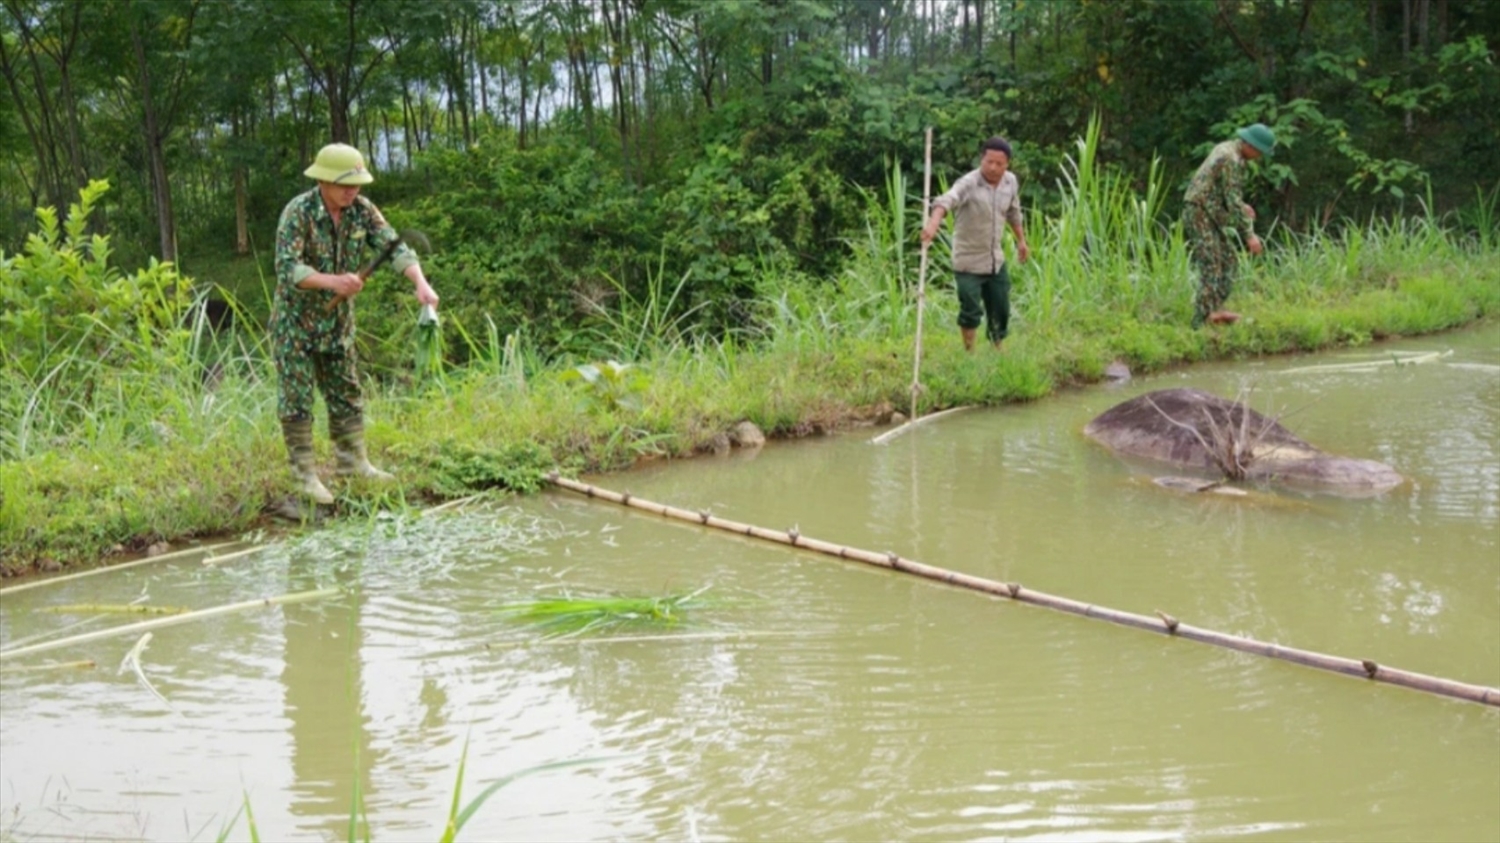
{"x":573,"y":615}
{"x":97,"y":457}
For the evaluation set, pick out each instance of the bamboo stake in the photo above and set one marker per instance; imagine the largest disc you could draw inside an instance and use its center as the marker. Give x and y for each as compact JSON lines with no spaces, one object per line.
{"x":1162,"y":623}
{"x":158,"y":623}
{"x":150,"y":560}
{"x":916,"y":358}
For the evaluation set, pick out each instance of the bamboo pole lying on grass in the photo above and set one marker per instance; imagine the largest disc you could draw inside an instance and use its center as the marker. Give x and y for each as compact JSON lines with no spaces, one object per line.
{"x":170,"y":620}
{"x":1161,"y":623}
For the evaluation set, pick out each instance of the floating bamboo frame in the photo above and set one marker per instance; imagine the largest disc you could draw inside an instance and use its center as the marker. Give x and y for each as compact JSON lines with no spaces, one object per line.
{"x":1161,"y":623}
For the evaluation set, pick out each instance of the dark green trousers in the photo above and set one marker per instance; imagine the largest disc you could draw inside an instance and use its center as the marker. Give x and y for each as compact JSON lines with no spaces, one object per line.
{"x":985,"y":298}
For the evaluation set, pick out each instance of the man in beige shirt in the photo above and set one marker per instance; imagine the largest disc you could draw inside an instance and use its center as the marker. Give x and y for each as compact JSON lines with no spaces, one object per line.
{"x":983,"y":202}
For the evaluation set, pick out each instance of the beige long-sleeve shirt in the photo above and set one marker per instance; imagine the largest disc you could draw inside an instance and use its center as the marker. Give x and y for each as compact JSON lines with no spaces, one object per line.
{"x":980,"y":212}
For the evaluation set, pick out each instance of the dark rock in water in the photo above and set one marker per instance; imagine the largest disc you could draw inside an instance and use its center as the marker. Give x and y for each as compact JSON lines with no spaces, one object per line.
{"x":1196,"y":429}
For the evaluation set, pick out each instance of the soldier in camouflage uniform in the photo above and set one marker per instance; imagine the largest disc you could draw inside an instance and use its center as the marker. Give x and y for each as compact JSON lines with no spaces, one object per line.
{"x":325,"y":236}
{"x":1214,"y":216}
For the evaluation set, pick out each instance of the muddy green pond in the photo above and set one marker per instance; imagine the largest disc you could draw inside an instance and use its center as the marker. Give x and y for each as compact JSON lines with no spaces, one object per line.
{"x":816,"y":699}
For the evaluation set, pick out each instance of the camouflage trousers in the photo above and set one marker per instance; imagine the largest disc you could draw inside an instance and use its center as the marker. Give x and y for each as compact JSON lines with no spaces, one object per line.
{"x":333,"y":373}
{"x":1215,"y":259}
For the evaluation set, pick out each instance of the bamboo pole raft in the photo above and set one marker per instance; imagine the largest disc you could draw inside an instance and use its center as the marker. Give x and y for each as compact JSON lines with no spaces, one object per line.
{"x":1161,"y":623}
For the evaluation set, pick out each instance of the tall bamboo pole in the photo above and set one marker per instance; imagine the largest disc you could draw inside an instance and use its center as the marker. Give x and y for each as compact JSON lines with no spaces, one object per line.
{"x":916,"y":359}
{"x":1162,"y":623}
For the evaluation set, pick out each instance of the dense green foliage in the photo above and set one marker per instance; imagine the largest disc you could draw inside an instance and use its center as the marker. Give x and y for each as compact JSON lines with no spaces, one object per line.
{"x":565,"y":155}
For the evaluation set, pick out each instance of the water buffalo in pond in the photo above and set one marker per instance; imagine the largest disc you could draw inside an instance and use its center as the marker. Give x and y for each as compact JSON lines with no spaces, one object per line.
{"x":1190,"y":428}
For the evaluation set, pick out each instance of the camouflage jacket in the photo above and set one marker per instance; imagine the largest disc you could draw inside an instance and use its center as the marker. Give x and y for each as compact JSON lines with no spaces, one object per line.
{"x":1218,"y":187}
{"x":307,"y":242}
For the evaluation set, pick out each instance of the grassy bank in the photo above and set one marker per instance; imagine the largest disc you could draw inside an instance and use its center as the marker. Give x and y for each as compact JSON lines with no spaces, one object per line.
{"x":150,"y":452}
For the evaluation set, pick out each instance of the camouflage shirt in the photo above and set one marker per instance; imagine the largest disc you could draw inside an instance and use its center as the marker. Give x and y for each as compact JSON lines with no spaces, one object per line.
{"x":307,"y":242}
{"x":1217,"y":189}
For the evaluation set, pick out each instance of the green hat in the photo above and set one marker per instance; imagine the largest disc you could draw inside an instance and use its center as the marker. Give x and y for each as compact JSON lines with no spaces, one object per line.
{"x":339,"y":163}
{"x":1259,"y":136}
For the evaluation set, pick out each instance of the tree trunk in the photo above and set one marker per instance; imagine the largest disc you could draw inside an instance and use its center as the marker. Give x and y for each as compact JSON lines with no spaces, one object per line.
{"x":241,"y":193}
{"x":161,"y":188}
{"x":1406,"y":54}
{"x":525,"y":75}
{"x":338,"y":106}
{"x":615,"y":27}
{"x":47,"y":183}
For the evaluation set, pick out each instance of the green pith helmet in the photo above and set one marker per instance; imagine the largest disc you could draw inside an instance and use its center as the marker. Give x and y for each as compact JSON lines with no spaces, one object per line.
{"x":1260,"y":136}
{"x":339,"y":163}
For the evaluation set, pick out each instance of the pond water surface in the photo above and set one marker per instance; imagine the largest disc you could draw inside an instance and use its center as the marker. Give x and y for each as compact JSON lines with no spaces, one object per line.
{"x":821,"y":699}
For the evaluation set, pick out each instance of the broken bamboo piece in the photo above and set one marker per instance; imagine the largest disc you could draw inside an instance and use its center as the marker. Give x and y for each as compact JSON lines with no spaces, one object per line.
{"x":170,"y":620}
{"x":1163,"y":623}
{"x":892,"y":434}
{"x":211,"y":561}
{"x":84,"y":664}
{"x":149,"y":560}
{"x":112,"y":609}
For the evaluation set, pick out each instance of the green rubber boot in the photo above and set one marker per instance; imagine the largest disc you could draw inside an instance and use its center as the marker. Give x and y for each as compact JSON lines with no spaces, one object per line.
{"x":349,"y":447}
{"x":299,"y":446}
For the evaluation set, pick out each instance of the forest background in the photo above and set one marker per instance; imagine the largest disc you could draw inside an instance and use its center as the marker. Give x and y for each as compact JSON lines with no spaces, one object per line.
{"x":594,"y":177}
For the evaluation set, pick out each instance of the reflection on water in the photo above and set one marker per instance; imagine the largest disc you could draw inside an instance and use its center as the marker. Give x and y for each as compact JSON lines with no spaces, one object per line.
{"x":856,"y":704}
{"x":322,"y":672}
